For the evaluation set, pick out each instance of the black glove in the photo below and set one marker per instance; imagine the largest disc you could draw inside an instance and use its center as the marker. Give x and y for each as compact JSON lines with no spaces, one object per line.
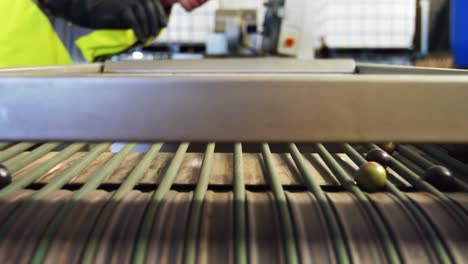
{"x":145,"y":17}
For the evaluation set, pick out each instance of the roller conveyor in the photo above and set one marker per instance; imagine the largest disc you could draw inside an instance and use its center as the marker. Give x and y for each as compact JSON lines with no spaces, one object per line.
{"x":76,"y":202}
{"x":73,"y":200}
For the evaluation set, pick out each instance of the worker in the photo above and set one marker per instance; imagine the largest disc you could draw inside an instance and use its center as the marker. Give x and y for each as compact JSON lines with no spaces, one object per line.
{"x":28,"y":38}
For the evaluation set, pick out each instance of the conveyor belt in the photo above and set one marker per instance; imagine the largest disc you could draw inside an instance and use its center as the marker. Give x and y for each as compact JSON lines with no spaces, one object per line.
{"x":79,"y":203}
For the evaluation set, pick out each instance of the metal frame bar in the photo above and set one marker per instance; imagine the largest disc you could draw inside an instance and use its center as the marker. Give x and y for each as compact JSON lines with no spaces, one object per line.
{"x":234,"y":108}
{"x":233,"y":66}
{"x":78,"y":69}
{"x":371,"y":68}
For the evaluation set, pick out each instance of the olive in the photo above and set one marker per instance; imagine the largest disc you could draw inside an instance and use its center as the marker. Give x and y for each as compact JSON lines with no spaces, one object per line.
{"x":440,"y":177}
{"x":388,"y":147}
{"x":371,"y":177}
{"x":379,"y":156}
{"x":5,"y":176}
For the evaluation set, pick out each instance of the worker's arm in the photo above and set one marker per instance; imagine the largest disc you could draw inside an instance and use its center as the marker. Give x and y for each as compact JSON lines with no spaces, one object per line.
{"x":188,"y":5}
{"x":145,"y":17}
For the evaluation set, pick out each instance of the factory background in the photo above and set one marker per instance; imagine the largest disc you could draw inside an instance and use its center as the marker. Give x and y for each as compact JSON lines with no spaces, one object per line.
{"x":407,"y":32}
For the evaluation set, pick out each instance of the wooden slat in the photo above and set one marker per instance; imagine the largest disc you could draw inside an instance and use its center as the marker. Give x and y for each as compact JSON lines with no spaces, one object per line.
{"x":222,"y":173}
{"x":30,"y":166}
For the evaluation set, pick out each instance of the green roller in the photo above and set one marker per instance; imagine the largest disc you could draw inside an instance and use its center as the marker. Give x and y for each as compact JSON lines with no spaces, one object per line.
{"x":422,"y":185}
{"x":239,"y":206}
{"x":130,"y":182}
{"x":62,"y":179}
{"x":426,"y":164}
{"x":349,"y":184}
{"x":414,"y":157}
{"x":55,"y":184}
{"x":325,"y":207}
{"x":37,"y":153}
{"x":190,"y":250}
{"x":443,"y":157}
{"x":41,"y":169}
{"x":15,"y":150}
{"x":139,"y":253}
{"x":435,"y":239}
{"x":282,"y":203}
{"x":4,"y":144}
{"x":95,"y":180}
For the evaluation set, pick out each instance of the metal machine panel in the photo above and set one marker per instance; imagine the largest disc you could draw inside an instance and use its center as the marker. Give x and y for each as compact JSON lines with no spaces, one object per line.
{"x":273,"y":108}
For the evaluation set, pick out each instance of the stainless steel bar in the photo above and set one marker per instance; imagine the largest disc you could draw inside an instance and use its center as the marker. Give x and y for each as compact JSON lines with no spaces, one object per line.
{"x":79,"y":69}
{"x":233,"y":108}
{"x":233,"y":66}
{"x":371,"y":68}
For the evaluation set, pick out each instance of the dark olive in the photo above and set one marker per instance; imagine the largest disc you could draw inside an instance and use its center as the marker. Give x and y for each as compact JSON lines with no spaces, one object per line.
{"x":388,"y":147}
{"x":440,"y":177}
{"x":5,"y":176}
{"x":379,"y":156}
{"x":371,"y":177}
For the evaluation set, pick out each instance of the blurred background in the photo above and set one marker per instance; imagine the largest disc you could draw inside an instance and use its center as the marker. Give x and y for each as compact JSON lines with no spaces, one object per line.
{"x":405,"y":32}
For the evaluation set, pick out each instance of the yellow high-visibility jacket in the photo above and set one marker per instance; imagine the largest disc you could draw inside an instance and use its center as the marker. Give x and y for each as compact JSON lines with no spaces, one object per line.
{"x":27,"y":38}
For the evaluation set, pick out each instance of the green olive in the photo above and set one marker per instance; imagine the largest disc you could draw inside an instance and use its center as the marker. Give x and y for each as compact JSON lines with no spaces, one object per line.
{"x":388,"y":147}
{"x":371,"y":177}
